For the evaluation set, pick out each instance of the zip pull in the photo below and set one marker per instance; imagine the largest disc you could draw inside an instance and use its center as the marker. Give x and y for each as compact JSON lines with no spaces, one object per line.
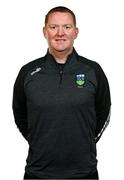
{"x":61,"y":73}
{"x":60,"y":66}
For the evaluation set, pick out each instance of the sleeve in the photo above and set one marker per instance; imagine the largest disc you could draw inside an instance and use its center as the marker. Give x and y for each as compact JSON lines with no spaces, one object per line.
{"x":102,"y":103}
{"x":19,"y":104}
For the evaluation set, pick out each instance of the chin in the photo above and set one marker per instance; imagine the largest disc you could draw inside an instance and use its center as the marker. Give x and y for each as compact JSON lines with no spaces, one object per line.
{"x":60,"y":49}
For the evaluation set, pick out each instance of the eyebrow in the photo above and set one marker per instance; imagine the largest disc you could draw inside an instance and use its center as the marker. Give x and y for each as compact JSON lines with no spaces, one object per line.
{"x":58,"y":25}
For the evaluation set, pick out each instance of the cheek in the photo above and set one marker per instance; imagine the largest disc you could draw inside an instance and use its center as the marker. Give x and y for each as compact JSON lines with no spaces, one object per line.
{"x":51,"y":35}
{"x":72,"y":36}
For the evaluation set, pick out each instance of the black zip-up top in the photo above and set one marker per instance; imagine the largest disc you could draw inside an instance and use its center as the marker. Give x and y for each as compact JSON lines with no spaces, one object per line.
{"x":62,"y":113}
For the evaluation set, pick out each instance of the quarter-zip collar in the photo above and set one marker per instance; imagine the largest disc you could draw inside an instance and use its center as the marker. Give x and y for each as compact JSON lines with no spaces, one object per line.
{"x":51,"y":62}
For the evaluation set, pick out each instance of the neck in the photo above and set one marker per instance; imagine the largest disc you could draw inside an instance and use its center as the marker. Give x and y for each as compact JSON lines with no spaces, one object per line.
{"x":60,"y":56}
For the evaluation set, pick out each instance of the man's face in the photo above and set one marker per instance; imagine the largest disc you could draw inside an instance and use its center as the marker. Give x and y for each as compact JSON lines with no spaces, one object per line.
{"x":60,"y":31}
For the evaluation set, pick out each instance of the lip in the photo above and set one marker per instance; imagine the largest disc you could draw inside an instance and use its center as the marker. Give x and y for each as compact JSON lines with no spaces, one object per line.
{"x":60,"y":39}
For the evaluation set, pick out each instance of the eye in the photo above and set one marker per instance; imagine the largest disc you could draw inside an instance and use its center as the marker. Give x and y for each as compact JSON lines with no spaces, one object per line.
{"x":68,"y":27}
{"x":52,"y":27}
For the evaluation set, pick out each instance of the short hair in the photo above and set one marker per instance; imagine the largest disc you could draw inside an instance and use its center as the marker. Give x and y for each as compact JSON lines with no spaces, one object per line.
{"x":60,"y":9}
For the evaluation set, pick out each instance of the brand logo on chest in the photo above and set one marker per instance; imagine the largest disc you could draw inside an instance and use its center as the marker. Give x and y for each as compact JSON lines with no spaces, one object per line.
{"x":80,"y":80}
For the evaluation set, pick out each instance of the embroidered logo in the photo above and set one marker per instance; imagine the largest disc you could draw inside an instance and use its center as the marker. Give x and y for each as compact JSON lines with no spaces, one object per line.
{"x":37,"y":70}
{"x":80,"y":79}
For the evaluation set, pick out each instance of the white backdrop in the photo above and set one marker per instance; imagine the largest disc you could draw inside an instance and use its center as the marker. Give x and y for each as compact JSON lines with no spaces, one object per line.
{"x":101,"y":38}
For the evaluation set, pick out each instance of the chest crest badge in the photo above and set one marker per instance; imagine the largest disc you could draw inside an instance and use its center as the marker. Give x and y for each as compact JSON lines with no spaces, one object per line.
{"x":80,"y":79}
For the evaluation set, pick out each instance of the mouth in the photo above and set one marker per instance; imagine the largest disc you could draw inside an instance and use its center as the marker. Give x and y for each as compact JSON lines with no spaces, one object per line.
{"x":60,"y":40}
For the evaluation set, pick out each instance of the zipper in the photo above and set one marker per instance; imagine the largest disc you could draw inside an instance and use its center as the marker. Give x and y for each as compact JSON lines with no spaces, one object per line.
{"x":60,"y":73}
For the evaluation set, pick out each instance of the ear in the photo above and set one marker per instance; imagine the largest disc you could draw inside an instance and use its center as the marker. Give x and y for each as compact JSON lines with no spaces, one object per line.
{"x":76,"y":32}
{"x":44,"y":32}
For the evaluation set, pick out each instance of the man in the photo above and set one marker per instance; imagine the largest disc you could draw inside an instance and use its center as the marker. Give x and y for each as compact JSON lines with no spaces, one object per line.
{"x":61,"y":105}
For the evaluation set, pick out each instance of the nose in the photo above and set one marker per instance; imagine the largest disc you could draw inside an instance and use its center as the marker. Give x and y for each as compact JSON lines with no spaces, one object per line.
{"x":60,"y":31}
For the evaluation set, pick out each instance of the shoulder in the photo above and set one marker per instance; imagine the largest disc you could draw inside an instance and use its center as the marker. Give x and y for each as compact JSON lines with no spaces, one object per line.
{"x":95,"y":66}
{"x":91,"y":63}
{"x":30,"y":66}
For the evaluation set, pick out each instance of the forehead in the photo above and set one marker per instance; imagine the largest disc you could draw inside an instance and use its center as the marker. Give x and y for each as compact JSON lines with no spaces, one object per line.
{"x":60,"y":18}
